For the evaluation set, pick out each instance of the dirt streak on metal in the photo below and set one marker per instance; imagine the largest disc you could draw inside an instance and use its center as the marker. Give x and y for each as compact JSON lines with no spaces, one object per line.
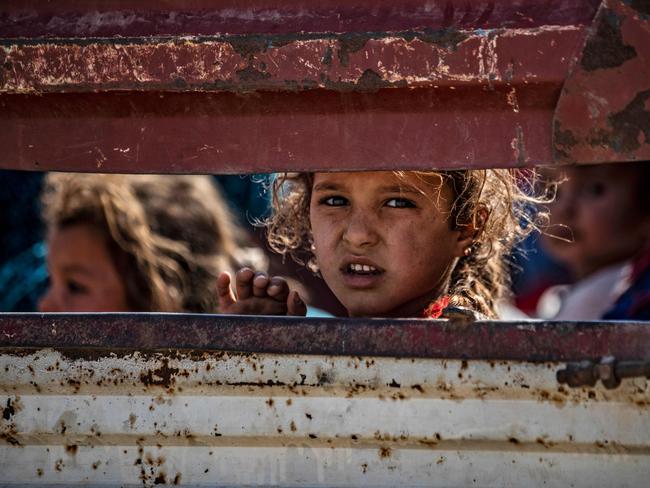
{"x":390,"y":379}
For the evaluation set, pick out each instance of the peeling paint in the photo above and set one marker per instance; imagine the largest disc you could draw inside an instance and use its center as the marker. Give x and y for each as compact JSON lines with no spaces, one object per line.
{"x":259,"y":62}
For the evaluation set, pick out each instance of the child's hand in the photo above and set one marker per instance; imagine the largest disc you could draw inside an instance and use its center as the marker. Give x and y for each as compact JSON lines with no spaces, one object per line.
{"x":257,"y":294}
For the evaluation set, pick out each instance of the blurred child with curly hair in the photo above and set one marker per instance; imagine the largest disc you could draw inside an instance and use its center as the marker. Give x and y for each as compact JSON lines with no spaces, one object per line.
{"x":137,"y":243}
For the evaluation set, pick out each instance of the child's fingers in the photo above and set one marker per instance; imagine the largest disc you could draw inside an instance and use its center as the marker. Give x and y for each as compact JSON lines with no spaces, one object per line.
{"x":295,"y":305}
{"x":260,"y":283}
{"x":244,"y":283}
{"x":278,"y":289}
{"x":225,"y":294}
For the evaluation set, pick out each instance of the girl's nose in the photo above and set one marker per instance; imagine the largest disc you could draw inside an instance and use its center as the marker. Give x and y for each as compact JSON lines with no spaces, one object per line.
{"x":48,"y":302}
{"x":360,"y":230}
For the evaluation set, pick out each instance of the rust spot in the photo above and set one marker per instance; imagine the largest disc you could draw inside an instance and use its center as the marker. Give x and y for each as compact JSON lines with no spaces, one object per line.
{"x":327,"y":56}
{"x":9,"y":410}
{"x":463,"y":364}
{"x":292,"y":426}
{"x":418,"y":388}
{"x":313,"y":436}
{"x":448,"y":38}
{"x":270,"y":402}
{"x":252,"y":75}
{"x":132,"y":419}
{"x":324,"y":378}
{"x":627,"y":125}
{"x":288,"y":401}
{"x":354,"y":437}
{"x":364,"y":468}
{"x":394,"y":384}
{"x":513,"y":440}
{"x":246,"y":46}
{"x":160,"y":479}
{"x":162,"y":376}
{"x":96,"y":464}
{"x":370,"y":82}
{"x":71,"y":449}
{"x":606,"y":48}
{"x":9,"y":436}
{"x":177,"y":479}
{"x":59,"y":465}
{"x":308,"y":415}
{"x":39,"y":472}
{"x":384,"y":452}
{"x":350,"y":44}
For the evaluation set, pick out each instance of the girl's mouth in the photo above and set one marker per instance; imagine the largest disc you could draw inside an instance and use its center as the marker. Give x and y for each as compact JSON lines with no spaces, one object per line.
{"x":361,"y":276}
{"x":361,"y":269}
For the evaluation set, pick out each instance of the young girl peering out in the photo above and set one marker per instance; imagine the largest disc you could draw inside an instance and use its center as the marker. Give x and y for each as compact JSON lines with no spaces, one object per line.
{"x":392,"y":244}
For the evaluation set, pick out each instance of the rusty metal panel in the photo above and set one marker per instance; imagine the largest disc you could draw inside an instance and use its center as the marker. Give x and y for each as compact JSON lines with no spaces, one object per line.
{"x":266,"y":86}
{"x":129,"y":417}
{"x":487,"y":340}
{"x":603,"y":114}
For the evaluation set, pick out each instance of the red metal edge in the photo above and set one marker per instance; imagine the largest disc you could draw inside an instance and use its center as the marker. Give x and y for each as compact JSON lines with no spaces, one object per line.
{"x":471,"y":86}
{"x":603,"y":114}
{"x":101,"y":334}
{"x":107,"y":18}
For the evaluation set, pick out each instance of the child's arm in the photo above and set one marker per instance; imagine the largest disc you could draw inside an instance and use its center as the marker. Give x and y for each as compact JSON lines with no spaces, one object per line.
{"x":257,"y":294}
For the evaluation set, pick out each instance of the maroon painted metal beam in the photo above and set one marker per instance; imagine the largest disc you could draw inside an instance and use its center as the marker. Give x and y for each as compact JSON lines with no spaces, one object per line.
{"x":261,"y":86}
{"x":219,"y":87}
{"x":142,"y":18}
{"x":99,"y":334}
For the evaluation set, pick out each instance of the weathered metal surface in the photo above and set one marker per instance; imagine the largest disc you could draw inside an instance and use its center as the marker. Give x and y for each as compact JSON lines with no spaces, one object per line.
{"x":608,"y":370}
{"x":223,"y":88}
{"x":83,"y":18}
{"x":124,"y":417}
{"x":339,"y":62}
{"x":603,"y":113}
{"x":527,"y":340}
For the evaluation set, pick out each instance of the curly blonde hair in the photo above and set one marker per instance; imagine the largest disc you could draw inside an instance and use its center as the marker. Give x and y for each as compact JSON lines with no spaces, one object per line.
{"x":169,"y":236}
{"x":503,"y":204}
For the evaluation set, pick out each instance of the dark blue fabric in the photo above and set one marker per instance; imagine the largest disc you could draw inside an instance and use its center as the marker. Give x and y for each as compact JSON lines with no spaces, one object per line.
{"x":634,"y":304}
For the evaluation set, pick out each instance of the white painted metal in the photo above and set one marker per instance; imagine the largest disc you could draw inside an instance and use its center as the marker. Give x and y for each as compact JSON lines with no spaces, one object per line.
{"x":243,"y":419}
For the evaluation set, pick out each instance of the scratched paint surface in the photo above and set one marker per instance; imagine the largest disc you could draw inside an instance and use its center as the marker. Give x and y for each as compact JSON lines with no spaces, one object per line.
{"x":376,"y":85}
{"x":80,"y":18}
{"x":600,"y":119}
{"x":265,"y":86}
{"x":214,"y":418}
{"x":365,"y":62}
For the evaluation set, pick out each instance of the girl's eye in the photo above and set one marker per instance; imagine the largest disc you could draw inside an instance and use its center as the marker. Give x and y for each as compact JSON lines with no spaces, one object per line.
{"x":76,"y":288}
{"x":334,"y":201}
{"x":400,"y":203}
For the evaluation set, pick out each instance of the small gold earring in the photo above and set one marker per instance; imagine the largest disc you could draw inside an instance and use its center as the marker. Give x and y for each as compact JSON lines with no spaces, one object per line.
{"x":467,"y":251}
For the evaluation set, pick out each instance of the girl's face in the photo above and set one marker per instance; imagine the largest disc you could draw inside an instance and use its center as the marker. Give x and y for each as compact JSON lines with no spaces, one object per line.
{"x":597,"y":212}
{"x":384,"y":244}
{"x":83,"y":277}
